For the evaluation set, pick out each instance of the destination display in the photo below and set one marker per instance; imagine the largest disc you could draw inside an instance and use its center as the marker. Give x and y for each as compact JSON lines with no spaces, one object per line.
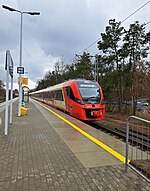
{"x":88,"y":85}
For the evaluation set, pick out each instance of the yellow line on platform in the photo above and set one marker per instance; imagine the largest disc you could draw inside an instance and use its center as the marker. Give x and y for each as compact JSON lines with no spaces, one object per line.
{"x":104,"y":146}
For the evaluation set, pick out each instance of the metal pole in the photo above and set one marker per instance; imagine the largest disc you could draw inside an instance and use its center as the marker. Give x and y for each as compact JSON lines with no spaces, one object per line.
{"x":127,"y":140}
{"x":11,"y":100}
{"x":20,"y":81}
{"x":7,"y":93}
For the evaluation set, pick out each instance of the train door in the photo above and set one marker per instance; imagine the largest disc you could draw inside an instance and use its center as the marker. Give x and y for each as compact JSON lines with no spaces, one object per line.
{"x":67,"y":98}
{"x":70,"y":101}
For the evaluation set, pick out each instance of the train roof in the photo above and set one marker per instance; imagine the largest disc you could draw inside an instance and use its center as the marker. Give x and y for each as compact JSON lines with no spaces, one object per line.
{"x":58,"y":86}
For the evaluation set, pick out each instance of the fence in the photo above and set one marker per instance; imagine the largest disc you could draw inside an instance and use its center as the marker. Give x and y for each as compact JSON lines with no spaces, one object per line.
{"x":138,"y":152}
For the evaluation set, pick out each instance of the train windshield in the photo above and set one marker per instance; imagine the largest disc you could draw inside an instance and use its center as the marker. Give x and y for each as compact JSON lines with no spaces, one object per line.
{"x":90,"y":92}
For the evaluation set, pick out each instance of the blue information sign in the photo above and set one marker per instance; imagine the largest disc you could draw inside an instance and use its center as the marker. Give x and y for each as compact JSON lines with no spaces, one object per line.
{"x":20,"y":70}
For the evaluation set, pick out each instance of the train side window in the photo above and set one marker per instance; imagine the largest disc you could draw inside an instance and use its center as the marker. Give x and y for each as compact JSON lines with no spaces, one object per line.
{"x":50,"y":95}
{"x":69,"y":93}
{"x":46,"y":95}
{"x":58,"y":95}
{"x":53,"y":95}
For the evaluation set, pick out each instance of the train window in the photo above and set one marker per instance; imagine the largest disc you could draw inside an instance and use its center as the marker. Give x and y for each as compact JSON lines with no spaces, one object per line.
{"x":90,"y":94}
{"x":42,"y":95}
{"x":50,"y":96}
{"x":69,"y":93}
{"x":53,"y":94}
{"x":58,"y":95}
{"x":46,"y":95}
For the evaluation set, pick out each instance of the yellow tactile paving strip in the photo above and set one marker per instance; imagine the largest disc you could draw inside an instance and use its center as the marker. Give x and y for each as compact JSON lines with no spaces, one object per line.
{"x":93,"y":139}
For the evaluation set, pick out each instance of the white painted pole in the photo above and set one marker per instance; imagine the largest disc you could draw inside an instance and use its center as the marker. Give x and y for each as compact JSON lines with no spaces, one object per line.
{"x":7,"y":92}
{"x":20,"y":81}
{"x":11,"y":100}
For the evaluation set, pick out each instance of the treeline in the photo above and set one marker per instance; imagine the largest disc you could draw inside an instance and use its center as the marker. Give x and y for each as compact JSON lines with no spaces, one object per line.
{"x":2,"y":91}
{"x":122,"y":66}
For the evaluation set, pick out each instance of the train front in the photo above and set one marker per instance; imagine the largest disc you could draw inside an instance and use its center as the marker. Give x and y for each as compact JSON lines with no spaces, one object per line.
{"x":92,"y":96}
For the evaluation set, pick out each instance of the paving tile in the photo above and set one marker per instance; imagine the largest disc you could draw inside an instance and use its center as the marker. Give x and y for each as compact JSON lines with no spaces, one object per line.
{"x":34,"y":157}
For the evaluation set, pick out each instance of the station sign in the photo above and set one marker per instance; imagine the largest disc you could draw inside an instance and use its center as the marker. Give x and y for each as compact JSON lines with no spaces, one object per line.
{"x":11,"y":68}
{"x":20,"y":70}
{"x":25,"y":81}
{"x":9,"y":65}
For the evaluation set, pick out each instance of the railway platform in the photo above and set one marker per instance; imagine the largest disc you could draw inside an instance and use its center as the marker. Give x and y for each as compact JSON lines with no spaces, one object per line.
{"x":42,"y":153}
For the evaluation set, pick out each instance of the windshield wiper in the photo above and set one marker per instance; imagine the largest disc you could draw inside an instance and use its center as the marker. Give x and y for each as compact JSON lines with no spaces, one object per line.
{"x":86,"y":99}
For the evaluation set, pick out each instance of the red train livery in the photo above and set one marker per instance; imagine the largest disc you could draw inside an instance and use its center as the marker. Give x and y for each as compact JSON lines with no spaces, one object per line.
{"x":81,"y":98}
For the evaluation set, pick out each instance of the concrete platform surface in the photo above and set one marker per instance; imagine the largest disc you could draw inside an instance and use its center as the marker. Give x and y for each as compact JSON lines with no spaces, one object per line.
{"x":34,"y":157}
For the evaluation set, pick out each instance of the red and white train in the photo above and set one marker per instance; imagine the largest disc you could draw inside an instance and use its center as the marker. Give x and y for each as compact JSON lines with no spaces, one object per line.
{"x":80,"y":98}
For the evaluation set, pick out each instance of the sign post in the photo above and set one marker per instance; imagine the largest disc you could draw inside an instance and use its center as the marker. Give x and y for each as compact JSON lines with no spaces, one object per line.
{"x":9,"y":71}
{"x":20,"y":70}
{"x":7,"y":92}
{"x":11,"y":67}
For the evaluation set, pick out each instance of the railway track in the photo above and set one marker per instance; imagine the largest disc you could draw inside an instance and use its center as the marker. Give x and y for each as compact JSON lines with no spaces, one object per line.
{"x":137,"y":139}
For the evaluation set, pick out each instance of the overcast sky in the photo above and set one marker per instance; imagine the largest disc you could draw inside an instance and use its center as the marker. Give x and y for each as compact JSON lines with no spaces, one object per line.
{"x":63,"y":29}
